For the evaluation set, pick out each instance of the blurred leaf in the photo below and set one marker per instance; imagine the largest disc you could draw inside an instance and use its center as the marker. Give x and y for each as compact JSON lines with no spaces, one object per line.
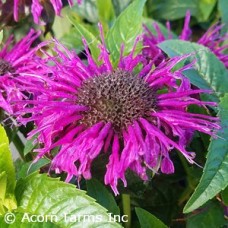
{"x":149,"y":24}
{"x":215,"y":175}
{"x":29,"y":146}
{"x":6,"y":162}
{"x":92,"y":41}
{"x":61,"y":24}
{"x":42,"y":195}
{"x":105,"y":12}
{"x":222,"y":7}
{"x":210,"y":73}
{"x":171,"y":9}
{"x":3,"y":180}
{"x":125,"y":30}
{"x":224,"y":195}
{"x":1,"y":36}
{"x":97,"y":191}
{"x":176,"y":9}
{"x":17,"y":139}
{"x":211,"y":216}
{"x":72,"y":40}
{"x":87,"y":10}
{"x":29,"y":167}
{"x":7,"y":179}
{"x":148,"y":220}
{"x":120,"y":5}
{"x":19,"y":217}
{"x":205,"y":9}
{"x":3,"y":184}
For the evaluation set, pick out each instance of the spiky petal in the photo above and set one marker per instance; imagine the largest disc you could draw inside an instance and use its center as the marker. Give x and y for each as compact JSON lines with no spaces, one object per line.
{"x":13,"y":61}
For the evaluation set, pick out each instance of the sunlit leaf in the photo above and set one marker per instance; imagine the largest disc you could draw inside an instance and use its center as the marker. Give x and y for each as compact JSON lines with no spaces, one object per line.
{"x":7,"y":170}
{"x":42,"y":195}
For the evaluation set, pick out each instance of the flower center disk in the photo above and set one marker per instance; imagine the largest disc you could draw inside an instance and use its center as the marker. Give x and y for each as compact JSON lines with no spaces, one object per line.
{"x":118,"y":97}
{"x":5,"y":67}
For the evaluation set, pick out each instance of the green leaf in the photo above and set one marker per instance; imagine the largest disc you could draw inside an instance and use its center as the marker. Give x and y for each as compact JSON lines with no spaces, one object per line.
{"x":61,"y":25}
{"x":224,"y":195}
{"x":42,"y":195}
{"x":210,"y":73}
{"x":105,"y":12}
{"x":98,"y":191}
{"x":205,"y":8}
{"x":120,"y":5}
{"x":29,"y":167}
{"x":24,"y":220}
{"x":146,"y":219}
{"x":72,"y":40}
{"x":215,"y":175}
{"x":1,"y":36}
{"x":171,"y":9}
{"x":222,"y":7}
{"x":210,"y":216}
{"x":92,"y":41}
{"x":3,"y":182}
{"x":6,"y":162}
{"x":176,"y":9}
{"x":87,"y":9}
{"x":29,"y":145}
{"x":125,"y":30}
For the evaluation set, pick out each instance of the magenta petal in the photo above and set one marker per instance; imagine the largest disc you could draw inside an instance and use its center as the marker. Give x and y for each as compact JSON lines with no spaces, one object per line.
{"x":167,"y":166}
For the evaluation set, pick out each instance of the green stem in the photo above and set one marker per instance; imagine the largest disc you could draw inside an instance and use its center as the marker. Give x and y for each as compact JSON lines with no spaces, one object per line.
{"x":126,"y":201}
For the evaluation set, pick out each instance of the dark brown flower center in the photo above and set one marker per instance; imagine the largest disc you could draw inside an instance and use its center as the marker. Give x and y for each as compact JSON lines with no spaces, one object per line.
{"x":5,"y":67}
{"x":118,"y":97}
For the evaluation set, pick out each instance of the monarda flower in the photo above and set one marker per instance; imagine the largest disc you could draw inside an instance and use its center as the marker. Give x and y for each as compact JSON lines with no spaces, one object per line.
{"x":211,"y":39}
{"x":13,"y":61}
{"x":39,"y":6}
{"x":136,"y":117}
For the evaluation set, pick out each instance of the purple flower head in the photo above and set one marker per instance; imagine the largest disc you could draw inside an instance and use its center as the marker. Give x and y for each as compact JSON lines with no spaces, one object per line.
{"x":38,"y":6}
{"x":13,"y":61}
{"x":211,"y":39}
{"x":136,"y":117}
